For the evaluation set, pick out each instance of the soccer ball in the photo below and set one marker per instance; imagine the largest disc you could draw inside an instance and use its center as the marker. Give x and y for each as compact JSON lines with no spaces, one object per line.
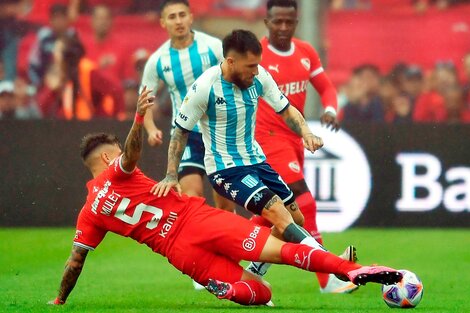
{"x":405,"y":294}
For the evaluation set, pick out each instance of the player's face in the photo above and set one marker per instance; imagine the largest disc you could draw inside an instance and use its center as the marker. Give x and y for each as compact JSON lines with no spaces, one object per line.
{"x":177,"y":20}
{"x":281,"y":23}
{"x":244,"y":68}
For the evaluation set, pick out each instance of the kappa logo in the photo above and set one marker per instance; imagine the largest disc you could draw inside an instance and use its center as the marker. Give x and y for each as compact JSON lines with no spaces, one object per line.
{"x":306,"y":63}
{"x":257,"y":197}
{"x":194,"y":87}
{"x":95,"y":189}
{"x":234,"y":194}
{"x":220,"y":101}
{"x":294,"y":166}
{"x":274,"y":68}
{"x":166,"y":69}
{"x":227,"y":186}
{"x":218,"y":179}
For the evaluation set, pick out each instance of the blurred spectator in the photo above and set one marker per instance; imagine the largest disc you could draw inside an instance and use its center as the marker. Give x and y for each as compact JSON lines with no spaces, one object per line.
{"x":364,"y":104}
{"x":26,"y":106}
{"x":117,"y":6}
{"x":131,"y":95}
{"x":455,"y":105}
{"x":41,"y":53}
{"x":413,"y":83}
{"x":466,"y":86}
{"x":249,"y":9}
{"x":148,"y":8}
{"x":11,"y":30}
{"x":2,"y":71}
{"x":105,"y":48}
{"x":139,"y":58}
{"x":430,"y":106}
{"x":75,"y":89}
{"x":7,"y":100}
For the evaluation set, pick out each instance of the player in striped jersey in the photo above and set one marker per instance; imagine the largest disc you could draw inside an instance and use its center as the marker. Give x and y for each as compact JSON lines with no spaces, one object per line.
{"x":178,"y":63}
{"x":224,"y":99}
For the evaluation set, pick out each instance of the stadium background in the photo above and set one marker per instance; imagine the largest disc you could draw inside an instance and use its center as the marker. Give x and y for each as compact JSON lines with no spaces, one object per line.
{"x":42,"y":181}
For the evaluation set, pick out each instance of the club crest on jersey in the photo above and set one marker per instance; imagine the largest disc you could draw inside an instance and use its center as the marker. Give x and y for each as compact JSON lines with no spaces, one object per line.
{"x":253,"y":93}
{"x":294,"y":166}
{"x":306,"y":63}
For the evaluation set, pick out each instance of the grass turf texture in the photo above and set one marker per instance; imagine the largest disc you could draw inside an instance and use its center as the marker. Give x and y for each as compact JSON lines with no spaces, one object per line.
{"x":122,"y":276}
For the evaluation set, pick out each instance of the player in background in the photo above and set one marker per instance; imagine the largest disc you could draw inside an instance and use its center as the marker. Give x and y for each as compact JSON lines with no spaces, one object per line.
{"x":178,"y":63}
{"x":197,"y":239}
{"x":293,"y":64}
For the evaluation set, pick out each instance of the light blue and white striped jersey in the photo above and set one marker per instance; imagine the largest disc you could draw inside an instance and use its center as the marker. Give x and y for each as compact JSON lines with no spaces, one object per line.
{"x":179,"y":68}
{"x":227,"y":116}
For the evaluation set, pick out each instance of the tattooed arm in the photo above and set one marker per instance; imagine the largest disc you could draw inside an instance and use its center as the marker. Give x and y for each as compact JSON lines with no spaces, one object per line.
{"x":175,"y":152}
{"x":72,"y":271}
{"x":297,"y":124}
{"x":134,"y":141}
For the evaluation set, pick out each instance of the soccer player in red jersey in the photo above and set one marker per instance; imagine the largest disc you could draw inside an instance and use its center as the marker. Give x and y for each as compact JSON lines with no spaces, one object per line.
{"x":294,"y":64}
{"x":199,"y":240}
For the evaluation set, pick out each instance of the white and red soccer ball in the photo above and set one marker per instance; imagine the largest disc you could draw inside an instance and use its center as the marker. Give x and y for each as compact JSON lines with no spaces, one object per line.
{"x":405,"y":294}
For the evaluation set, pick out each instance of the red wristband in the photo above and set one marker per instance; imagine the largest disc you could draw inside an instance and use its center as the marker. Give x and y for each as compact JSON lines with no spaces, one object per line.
{"x":138,"y":119}
{"x":58,"y":301}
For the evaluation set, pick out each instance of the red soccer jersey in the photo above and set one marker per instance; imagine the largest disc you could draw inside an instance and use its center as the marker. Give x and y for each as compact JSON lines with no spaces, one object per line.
{"x":121,"y":202}
{"x":292,"y":70}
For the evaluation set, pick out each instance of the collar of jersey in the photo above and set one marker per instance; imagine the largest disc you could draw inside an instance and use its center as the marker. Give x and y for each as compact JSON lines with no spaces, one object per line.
{"x":283,"y":53}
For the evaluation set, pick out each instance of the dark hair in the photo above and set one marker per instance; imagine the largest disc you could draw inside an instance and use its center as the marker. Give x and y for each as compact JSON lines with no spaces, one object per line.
{"x":58,"y":9}
{"x":241,"y":41}
{"x":166,"y":3}
{"x":281,"y":3}
{"x":92,"y":141}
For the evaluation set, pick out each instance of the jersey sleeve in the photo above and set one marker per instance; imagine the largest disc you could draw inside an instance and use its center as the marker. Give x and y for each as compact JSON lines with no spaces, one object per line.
{"x":116,"y":171}
{"x":271,"y":93}
{"x":315,"y":63}
{"x":194,"y":104}
{"x":87,"y":235}
{"x":150,"y":76}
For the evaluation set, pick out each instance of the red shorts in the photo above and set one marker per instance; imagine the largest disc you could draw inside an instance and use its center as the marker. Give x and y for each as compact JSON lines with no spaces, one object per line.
{"x":212,"y":242}
{"x":286,"y":156}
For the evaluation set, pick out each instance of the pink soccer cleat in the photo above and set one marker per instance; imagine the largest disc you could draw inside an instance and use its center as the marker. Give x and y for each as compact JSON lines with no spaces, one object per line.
{"x":376,"y":274}
{"x":220,"y":289}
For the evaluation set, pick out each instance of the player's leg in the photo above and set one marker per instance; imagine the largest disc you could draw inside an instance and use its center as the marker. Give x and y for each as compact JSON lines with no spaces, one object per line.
{"x":223,"y":203}
{"x":318,"y":260}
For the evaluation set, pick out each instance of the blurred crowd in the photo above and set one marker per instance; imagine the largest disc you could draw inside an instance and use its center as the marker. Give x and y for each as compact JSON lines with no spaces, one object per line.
{"x":407,"y":94}
{"x":69,"y":76}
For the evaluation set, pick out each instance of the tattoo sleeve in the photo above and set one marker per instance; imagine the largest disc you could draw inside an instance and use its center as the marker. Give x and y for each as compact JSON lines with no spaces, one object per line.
{"x":72,"y":271}
{"x":175,"y":151}
{"x":295,"y":121}
{"x":133,"y":147}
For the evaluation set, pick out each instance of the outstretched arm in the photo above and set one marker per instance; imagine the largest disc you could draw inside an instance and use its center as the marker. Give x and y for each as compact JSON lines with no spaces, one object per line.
{"x":297,"y":124}
{"x":175,"y":152}
{"x":134,"y":141}
{"x":72,"y":271}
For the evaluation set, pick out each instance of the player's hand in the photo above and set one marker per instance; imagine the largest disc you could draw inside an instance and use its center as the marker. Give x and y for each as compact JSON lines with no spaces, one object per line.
{"x":56,"y":301}
{"x":164,"y":187}
{"x":329,"y":119}
{"x":145,"y":101}
{"x":155,"y":137}
{"x":312,"y":143}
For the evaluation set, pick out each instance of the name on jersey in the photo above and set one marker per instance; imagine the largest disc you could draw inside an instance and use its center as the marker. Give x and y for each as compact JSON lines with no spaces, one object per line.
{"x":168,"y":224}
{"x":109,"y":203}
{"x":294,"y":87}
{"x":183,"y":117}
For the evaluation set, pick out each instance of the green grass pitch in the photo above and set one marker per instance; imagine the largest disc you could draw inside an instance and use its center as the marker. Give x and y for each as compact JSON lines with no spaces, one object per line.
{"x":122,"y":276}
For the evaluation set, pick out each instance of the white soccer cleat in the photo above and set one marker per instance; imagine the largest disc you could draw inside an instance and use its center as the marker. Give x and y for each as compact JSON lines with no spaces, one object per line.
{"x":197,"y":286}
{"x":336,"y":285}
{"x":270,"y":304}
{"x":258,"y":268}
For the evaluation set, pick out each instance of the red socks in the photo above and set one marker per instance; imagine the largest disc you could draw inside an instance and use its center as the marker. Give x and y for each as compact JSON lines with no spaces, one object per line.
{"x":307,"y":258}
{"x":308,"y":207}
{"x":250,"y":292}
